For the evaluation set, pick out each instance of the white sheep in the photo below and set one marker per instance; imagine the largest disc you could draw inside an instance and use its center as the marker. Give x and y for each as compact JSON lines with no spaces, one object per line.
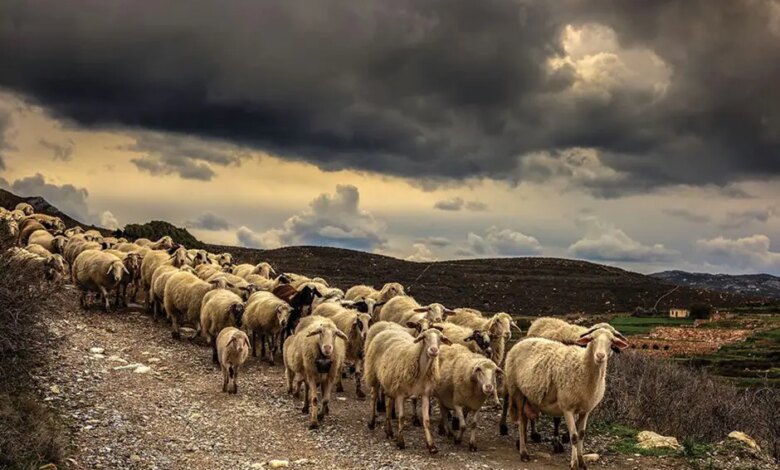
{"x":559,"y":330}
{"x":476,"y":341}
{"x":222,"y":260}
{"x":261,"y":269}
{"x":42,"y":238}
{"x":499,"y":327}
{"x":404,"y":309}
{"x":132,"y":262}
{"x":544,"y":376}
{"x":266,"y":315}
{"x":220,"y":309}
{"x":74,"y":231}
{"x":164,"y":243}
{"x":183,"y":297}
{"x":467,"y":380}
{"x":313,"y":356}
{"x":97,"y":271}
{"x":402,"y":366}
{"x":38,"y":250}
{"x":157,"y":290}
{"x":156,"y":258}
{"x":26,"y":208}
{"x":233,"y":349}
{"x":51,"y":267}
{"x":267,"y":284}
{"x":388,"y":291}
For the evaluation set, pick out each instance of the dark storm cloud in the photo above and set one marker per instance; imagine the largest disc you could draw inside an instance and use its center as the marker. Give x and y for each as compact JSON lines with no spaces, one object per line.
{"x":427,"y":89}
{"x":67,"y":197}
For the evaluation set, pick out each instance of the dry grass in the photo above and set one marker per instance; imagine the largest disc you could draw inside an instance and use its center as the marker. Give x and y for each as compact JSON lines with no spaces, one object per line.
{"x":29,"y":432}
{"x":652,"y":393}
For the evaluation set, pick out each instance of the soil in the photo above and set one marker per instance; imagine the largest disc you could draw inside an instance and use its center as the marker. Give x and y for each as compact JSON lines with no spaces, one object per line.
{"x":175,"y":415}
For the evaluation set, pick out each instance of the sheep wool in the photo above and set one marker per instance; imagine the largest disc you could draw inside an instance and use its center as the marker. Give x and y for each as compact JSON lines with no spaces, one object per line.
{"x":232,"y":347}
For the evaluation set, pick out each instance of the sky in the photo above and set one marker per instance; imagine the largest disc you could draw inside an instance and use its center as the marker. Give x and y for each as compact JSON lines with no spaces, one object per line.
{"x":646,"y":138}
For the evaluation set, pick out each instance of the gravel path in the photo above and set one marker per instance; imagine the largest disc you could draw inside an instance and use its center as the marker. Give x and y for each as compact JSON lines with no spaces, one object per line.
{"x":174,"y":416}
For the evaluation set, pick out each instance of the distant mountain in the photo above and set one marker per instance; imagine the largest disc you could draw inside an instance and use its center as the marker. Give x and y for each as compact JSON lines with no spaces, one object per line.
{"x":758,"y":285}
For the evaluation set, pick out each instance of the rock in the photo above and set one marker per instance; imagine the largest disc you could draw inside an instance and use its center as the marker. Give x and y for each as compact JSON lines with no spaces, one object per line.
{"x":591,"y":457}
{"x":98,"y":356}
{"x":142,"y":369}
{"x":651,"y":440}
{"x":135,"y":458}
{"x":303,"y":462}
{"x":117,"y":359}
{"x":48,"y":466}
{"x":56,"y":390}
{"x":128,"y":366}
{"x":153,"y":360}
{"x":279,"y":463}
{"x":745,"y":439}
{"x":256,"y":466}
{"x":96,"y":350}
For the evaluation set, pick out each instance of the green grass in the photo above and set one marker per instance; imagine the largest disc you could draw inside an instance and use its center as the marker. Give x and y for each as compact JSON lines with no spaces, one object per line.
{"x":625,"y":443}
{"x":643,"y":325}
{"x":753,"y":362}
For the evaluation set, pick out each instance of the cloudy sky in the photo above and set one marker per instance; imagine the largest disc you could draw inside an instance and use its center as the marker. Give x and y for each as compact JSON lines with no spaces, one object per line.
{"x":647,"y":138}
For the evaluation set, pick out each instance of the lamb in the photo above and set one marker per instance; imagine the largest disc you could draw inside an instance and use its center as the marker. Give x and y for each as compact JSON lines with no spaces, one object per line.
{"x":355,"y":326}
{"x":232,"y":350}
{"x":403,"y":366}
{"x":261,"y":269}
{"x":160,"y":277}
{"x":467,"y":380}
{"x":499,"y":327}
{"x":388,"y":291}
{"x":314,"y":356}
{"x":403,"y":309}
{"x":559,"y":380}
{"x":183,"y":297}
{"x":94,"y":270}
{"x":220,"y":309}
{"x":26,"y":208}
{"x":266,"y":315}
{"x":153,"y":259}
{"x":476,"y":341}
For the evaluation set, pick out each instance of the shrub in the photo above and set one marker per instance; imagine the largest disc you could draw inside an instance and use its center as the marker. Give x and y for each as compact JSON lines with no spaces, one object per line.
{"x":701,"y":311}
{"x":157,"y":229}
{"x":652,"y":393}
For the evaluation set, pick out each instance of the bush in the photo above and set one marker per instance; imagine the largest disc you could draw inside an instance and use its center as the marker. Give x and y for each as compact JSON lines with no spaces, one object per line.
{"x":157,"y":229}
{"x":701,"y":311}
{"x":30,"y":434}
{"x":656,"y":394}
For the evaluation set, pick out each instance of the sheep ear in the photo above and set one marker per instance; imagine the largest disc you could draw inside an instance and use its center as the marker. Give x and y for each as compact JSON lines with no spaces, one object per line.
{"x":584,"y":340}
{"x":413,"y":324}
{"x":109,"y":270}
{"x":318,"y":331}
{"x":470,"y":338}
{"x":620,"y":343}
{"x":448,"y":312}
{"x":437,"y":327}
{"x":499,"y":371}
{"x":341,"y":335}
{"x":419,"y":338}
{"x":515,"y":326}
{"x":446,"y":340}
{"x":421,"y":309}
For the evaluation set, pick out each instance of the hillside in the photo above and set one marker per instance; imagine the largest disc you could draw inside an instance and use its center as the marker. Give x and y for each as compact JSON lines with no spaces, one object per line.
{"x":760,"y":285}
{"x":526,"y":286}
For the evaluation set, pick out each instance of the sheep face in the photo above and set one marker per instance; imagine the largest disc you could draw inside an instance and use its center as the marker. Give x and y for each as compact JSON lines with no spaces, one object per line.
{"x":365,"y":306}
{"x":225,"y":260}
{"x":600,"y":343}
{"x":361,"y":326}
{"x":266,"y":270}
{"x":432,"y":340}
{"x":327,"y":336}
{"x":283,"y":279}
{"x":484,"y":375}
{"x":133,"y":262}
{"x":179,"y":257}
{"x":283,"y":315}
{"x":201,"y":257}
{"x":55,"y":266}
{"x":482,"y":339}
{"x":164,"y":243}
{"x":58,"y":243}
{"x":436,"y":313}
{"x":237,"y":311}
{"x":115,"y":271}
{"x":390,"y":290}
{"x":248,"y":290}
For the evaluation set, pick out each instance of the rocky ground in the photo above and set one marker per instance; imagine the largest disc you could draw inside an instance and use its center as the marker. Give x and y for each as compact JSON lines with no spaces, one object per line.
{"x":134,"y":398}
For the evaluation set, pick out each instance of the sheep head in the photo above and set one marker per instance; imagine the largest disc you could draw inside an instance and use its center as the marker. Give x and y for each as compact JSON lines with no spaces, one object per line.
{"x":485,"y":374}
{"x":601,"y":342}
{"x":237,"y":311}
{"x":482,"y":339}
{"x":327,"y":337}
{"x":116,"y":270}
{"x":432,"y":339}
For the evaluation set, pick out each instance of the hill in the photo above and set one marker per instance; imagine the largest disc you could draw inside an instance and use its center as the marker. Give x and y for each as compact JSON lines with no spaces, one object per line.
{"x":526,"y":286}
{"x":759,"y":285}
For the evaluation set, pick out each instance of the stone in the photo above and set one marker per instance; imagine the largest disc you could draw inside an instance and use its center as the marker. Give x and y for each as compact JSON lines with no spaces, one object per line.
{"x":591,"y":457}
{"x":96,"y":350}
{"x":651,"y":440}
{"x":135,"y":458}
{"x":153,"y":360}
{"x":128,"y":366}
{"x":303,"y":462}
{"x":55,"y":389}
{"x":279,"y":463}
{"x":745,"y":439}
{"x":258,"y":465}
{"x":142,"y":369}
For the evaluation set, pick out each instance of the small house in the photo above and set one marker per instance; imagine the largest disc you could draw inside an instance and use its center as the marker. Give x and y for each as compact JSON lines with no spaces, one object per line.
{"x":679,"y":313}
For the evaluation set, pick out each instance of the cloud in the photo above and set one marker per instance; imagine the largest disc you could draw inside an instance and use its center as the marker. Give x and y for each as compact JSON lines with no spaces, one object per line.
{"x":752,"y":252}
{"x":436,"y":241}
{"x":457,"y":203}
{"x":61,"y":151}
{"x":209,"y":221}
{"x":109,"y":221}
{"x":67,"y":198}
{"x":5,"y":126}
{"x":605,"y":242}
{"x":426,"y":90}
{"x":421,"y":254}
{"x":330,"y":220}
{"x":188,"y":157}
{"x":688,"y":216}
{"x":500,"y":242}
{"x":743,"y":218}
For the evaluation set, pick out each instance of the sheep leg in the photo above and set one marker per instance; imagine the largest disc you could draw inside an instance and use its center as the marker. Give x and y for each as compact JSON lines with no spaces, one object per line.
{"x":272,"y":349}
{"x":305,"y":409}
{"x":311,"y":386}
{"x":399,"y":411}
{"x":175,"y":327}
{"x":289,"y":375}
{"x":374,"y":403}
{"x":339,"y":387}
{"x":535,"y":436}
{"x":254,"y":344}
{"x":503,"y":429}
{"x":472,"y":425}
{"x":214,"y":351}
{"x":461,"y":424}
{"x":358,"y":379}
{"x":234,"y":369}
{"x":582,"y":423}
{"x":106,"y":302}
{"x":522,"y":437}
{"x":415,"y":417}
{"x":426,"y":418}
{"x":224,"y":379}
{"x":556,"y":443}
{"x":574,"y":439}
{"x":444,"y":420}
{"x":327,"y":386}
{"x":388,"y":421}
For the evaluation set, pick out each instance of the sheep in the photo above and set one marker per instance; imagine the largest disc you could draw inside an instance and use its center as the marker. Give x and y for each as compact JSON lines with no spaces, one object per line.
{"x":94,"y":235}
{"x":355,"y":326}
{"x":94,"y":270}
{"x":25,"y":207}
{"x":220,"y":309}
{"x":329,"y":294}
{"x":262,"y":269}
{"x":222,"y":260}
{"x":52,"y":267}
{"x":27,"y":228}
{"x":467,"y":380}
{"x":9,"y":230}
{"x":238,"y":284}
{"x":76,"y":245}
{"x":132,"y":262}
{"x":153,"y":259}
{"x":314,"y":356}
{"x":17,"y":215}
{"x":403,"y":309}
{"x":388,"y":291}
{"x":73,"y":231}
{"x":183,"y":297}
{"x":43,"y":238}
{"x":267,"y":284}
{"x":266,"y":315}
{"x":205,"y":271}
{"x":476,"y":341}
{"x":164,"y":243}
{"x":403,"y":366}
{"x":300,"y":301}
{"x":199,"y":257}
{"x":55,"y":224}
{"x":38,"y":250}
{"x":232,"y":349}
{"x":499,"y":327}
{"x":545,"y":376}
{"x":160,"y":277}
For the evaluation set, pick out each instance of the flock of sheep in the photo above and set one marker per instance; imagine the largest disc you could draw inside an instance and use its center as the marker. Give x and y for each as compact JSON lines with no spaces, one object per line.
{"x":398,"y":348}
